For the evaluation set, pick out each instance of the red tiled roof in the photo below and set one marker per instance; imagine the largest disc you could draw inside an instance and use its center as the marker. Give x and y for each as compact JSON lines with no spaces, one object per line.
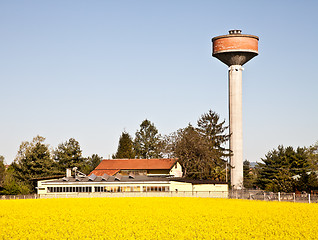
{"x":114,"y":165}
{"x":109,"y":172}
{"x":137,"y":164}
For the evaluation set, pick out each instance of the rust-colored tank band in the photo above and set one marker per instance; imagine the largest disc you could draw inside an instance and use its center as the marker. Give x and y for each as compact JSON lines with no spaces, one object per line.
{"x":235,"y":44}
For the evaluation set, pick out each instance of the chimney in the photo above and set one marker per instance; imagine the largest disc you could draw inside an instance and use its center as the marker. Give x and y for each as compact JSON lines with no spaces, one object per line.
{"x":68,"y":173}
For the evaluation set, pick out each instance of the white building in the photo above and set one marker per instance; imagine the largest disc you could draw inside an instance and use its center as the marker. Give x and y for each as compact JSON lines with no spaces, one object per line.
{"x":144,"y":178}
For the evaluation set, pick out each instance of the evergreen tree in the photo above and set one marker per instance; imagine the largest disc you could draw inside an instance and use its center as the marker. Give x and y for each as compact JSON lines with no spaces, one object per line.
{"x":12,"y":186}
{"x":125,"y":147}
{"x":69,"y":155}
{"x":279,"y":167}
{"x":33,"y":161}
{"x":2,"y":171}
{"x":307,"y":182}
{"x":214,"y":131}
{"x":91,"y":163}
{"x":313,"y":157}
{"x":147,"y":143}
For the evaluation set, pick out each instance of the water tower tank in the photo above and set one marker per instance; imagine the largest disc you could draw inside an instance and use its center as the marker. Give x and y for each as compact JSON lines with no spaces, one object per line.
{"x":235,"y":48}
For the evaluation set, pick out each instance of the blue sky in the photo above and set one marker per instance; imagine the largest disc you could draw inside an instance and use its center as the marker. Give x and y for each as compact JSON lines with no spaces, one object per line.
{"x":91,"y":69}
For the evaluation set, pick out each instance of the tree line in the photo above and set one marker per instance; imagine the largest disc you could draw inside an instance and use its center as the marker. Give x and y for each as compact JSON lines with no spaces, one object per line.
{"x":35,"y":160}
{"x":203,"y":153}
{"x":201,"y":149}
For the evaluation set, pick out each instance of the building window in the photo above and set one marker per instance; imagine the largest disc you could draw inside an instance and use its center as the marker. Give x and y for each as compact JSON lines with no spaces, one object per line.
{"x":86,"y":189}
{"x":155,"y":189}
{"x":69,"y":189}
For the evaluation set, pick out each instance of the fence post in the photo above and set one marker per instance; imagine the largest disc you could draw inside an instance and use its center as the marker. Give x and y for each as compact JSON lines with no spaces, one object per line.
{"x":264,"y":196}
{"x":294,"y":194}
{"x":309,"y":198}
{"x":278,"y":196}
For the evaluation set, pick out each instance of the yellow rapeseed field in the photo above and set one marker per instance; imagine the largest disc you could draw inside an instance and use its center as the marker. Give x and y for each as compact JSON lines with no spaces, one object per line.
{"x":156,"y":218}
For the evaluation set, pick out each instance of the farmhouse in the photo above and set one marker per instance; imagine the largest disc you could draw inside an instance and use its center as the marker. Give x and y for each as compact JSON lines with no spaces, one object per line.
{"x":133,"y":177}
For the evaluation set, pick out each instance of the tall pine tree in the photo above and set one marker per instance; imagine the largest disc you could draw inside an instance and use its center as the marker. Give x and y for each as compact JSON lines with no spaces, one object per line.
{"x":213,"y":130}
{"x":125,"y":147}
{"x":69,"y":155}
{"x":33,"y":161}
{"x":148,"y":143}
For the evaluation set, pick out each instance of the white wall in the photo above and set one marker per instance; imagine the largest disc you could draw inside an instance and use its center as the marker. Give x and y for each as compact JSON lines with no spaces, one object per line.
{"x":176,"y":170}
{"x":180,"y":186}
{"x":210,"y":187}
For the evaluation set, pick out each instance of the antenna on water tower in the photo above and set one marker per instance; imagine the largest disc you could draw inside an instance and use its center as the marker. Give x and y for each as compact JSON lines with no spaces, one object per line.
{"x":235,"y":49}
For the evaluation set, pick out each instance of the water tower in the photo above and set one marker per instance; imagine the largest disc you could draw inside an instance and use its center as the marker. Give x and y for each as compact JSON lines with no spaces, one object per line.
{"x":235,"y":49}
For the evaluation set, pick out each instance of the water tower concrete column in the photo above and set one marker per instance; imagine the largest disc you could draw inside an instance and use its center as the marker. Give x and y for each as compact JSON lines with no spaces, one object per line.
{"x":236,"y":129}
{"x":235,"y":49}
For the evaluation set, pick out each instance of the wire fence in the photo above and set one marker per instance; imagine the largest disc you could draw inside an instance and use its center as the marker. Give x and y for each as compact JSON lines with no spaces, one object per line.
{"x":232,"y":194}
{"x":271,"y":196}
{"x":12,"y":197}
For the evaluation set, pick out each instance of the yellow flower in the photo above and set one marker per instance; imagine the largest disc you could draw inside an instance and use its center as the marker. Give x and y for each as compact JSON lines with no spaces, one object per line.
{"x":156,"y":218}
